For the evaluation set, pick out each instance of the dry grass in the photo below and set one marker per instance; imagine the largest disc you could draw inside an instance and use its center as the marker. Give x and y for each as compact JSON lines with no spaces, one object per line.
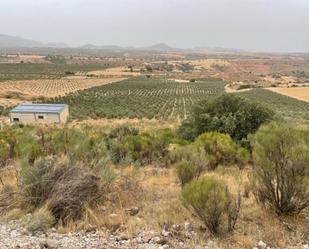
{"x":8,"y":177}
{"x":160,"y":208}
{"x":144,"y":125}
{"x":301,"y":93}
{"x":115,"y":72}
{"x":156,"y":192}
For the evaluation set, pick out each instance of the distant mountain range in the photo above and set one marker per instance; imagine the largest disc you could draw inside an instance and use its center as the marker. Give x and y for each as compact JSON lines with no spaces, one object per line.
{"x":9,"y":42}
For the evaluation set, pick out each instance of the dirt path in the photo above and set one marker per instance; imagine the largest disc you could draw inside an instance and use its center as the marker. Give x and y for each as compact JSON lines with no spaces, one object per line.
{"x":228,"y":89}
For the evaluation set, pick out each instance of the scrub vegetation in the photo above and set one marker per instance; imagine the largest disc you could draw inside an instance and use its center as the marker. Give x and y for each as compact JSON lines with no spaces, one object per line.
{"x":73,"y":177}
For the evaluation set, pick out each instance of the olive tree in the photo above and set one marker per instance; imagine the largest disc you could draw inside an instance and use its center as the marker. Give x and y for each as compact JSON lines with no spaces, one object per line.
{"x":228,"y":114}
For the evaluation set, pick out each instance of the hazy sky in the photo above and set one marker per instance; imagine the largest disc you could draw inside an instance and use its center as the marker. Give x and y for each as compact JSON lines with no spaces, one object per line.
{"x":256,"y":25}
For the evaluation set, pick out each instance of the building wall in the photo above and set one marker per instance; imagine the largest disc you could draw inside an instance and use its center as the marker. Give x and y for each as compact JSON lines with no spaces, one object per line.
{"x":29,"y":118}
{"x":64,"y":115}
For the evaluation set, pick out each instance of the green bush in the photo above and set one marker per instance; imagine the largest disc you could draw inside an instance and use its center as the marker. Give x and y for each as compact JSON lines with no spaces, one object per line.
{"x":28,"y":147}
{"x":209,"y":150}
{"x":139,"y":148}
{"x":281,"y":168}
{"x":210,"y":200}
{"x":4,"y":111}
{"x":228,"y":114}
{"x":161,"y":140}
{"x":143,"y":148}
{"x":221,"y":149}
{"x":186,"y":172}
{"x":192,"y":153}
{"x":9,"y":138}
{"x":4,"y":152}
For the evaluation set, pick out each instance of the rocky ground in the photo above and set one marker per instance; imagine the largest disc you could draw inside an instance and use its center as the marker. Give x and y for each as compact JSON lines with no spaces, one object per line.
{"x":13,"y":236}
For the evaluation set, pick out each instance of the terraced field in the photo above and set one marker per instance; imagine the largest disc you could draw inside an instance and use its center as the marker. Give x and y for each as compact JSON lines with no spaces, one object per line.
{"x":140,"y":97}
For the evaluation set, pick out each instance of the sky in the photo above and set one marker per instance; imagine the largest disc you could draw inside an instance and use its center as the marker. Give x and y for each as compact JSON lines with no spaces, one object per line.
{"x":252,"y":25}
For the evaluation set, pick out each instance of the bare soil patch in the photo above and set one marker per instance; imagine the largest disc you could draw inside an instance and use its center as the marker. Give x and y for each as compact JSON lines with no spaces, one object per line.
{"x":115,"y":72}
{"x":301,"y":93}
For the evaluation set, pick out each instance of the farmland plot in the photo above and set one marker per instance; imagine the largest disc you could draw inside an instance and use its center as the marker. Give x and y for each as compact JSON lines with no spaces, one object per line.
{"x":284,"y":105}
{"x":29,"y":71}
{"x":52,"y":88}
{"x":140,"y":97}
{"x":301,"y":93}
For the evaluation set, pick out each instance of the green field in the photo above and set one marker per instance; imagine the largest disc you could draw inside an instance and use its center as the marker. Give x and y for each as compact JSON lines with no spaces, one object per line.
{"x":29,"y":71}
{"x":168,"y":100}
{"x":285,"y":106}
{"x":156,"y":98}
{"x":140,"y":97}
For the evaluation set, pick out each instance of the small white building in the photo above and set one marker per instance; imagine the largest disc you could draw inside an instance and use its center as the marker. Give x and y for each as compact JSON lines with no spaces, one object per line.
{"x":39,"y":113}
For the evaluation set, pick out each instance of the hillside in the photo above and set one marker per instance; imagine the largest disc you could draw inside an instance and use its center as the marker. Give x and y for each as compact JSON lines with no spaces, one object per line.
{"x":8,"y":41}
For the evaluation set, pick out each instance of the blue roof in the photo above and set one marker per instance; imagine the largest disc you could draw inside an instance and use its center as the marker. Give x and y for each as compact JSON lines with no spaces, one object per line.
{"x":39,"y":108}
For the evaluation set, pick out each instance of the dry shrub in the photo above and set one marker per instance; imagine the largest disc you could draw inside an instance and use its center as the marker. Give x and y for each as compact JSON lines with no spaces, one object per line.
{"x":71,"y":192}
{"x":36,"y":182}
{"x":5,"y":202}
{"x":62,"y":187}
{"x":210,"y":200}
{"x":41,"y":220}
{"x":126,"y":191}
{"x":7,"y":194}
{"x":14,"y":214}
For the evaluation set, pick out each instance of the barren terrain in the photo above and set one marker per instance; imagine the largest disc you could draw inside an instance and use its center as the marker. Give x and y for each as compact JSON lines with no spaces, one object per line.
{"x":115,"y":72}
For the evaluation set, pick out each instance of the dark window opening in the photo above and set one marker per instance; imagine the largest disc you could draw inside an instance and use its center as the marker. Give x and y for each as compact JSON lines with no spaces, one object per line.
{"x":15,"y":119}
{"x":40,"y":117}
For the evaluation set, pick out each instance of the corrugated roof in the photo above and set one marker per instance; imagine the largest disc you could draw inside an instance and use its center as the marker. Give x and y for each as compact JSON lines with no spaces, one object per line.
{"x":39,"y":108}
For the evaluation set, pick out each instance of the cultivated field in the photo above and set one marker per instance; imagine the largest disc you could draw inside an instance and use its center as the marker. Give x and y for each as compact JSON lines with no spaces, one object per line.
{"x":301,"y":93}
{"x":29,"y":71}
{"x":12,"y":92}
{"x":283,"y":105}
{"x":140,"y":97}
